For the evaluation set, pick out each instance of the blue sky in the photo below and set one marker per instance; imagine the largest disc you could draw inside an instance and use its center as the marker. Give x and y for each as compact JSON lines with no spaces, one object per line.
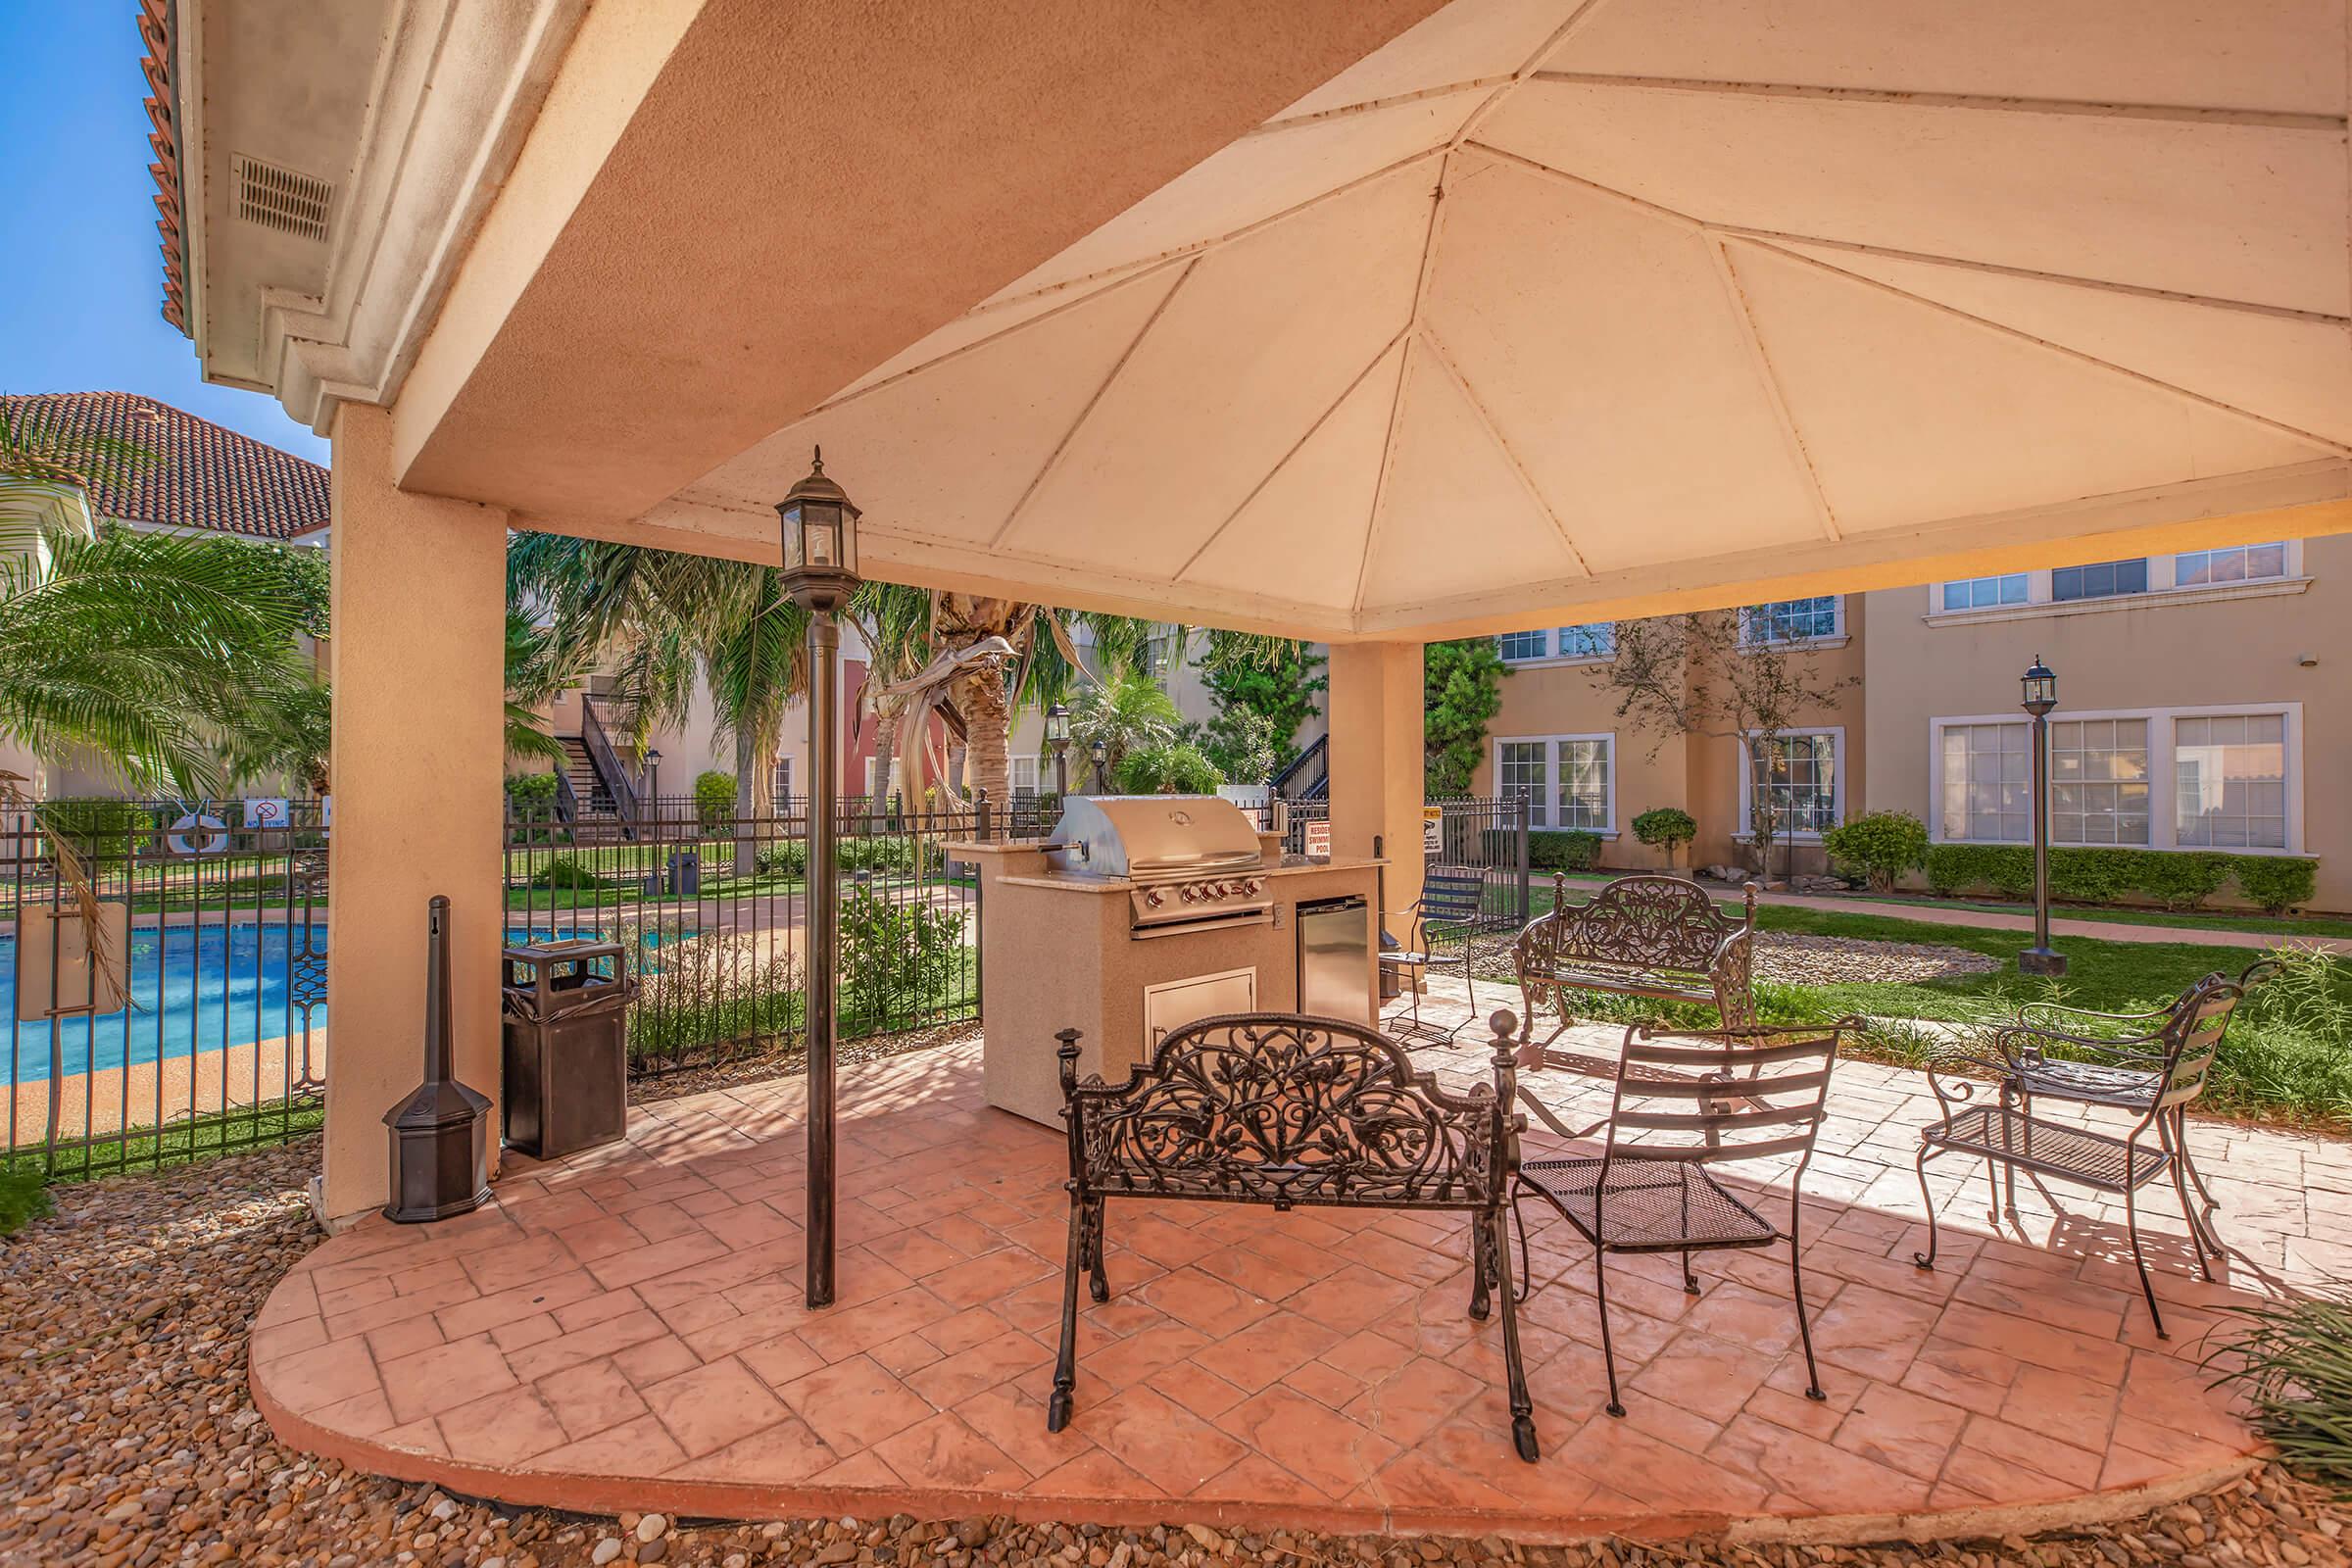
{"x":81,"y":276}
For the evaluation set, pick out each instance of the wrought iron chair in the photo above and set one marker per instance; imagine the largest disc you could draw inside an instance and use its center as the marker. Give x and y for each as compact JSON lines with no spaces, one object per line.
{"x":1686,"y":1100}
{"x":1288,"y":1111}
{"x":2068,"y":1053}
{"x":1452,"y":908}
{"x":2009,"y":1138}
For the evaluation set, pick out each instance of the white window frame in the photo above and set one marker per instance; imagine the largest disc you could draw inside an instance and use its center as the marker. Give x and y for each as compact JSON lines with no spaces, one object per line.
{"x":2162,"y":589}
{"x":1835,"y":638}
{"x":2164,"y":830}
{"x":1553,"y":658}
{"x":1551,"y":775}
{"x":1012,"y":775}
{"x":1838,"y":762}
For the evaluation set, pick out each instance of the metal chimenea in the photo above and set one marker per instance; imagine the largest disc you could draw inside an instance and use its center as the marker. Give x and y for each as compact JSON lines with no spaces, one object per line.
{"x":441,"y":1133}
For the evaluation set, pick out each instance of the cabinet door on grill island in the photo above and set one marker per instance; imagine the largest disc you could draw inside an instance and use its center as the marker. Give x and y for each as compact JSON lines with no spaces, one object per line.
{"x":1177,"y":1002}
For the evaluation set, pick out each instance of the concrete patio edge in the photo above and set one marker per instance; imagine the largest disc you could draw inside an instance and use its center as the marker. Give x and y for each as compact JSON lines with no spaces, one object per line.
{"x":736,"y":1500}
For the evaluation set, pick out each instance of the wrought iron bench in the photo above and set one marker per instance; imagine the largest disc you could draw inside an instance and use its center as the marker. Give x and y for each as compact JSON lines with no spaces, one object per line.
{"x":1639,"y":936}
{"x":1290,"y":1111}
{"x":1451,"y":908}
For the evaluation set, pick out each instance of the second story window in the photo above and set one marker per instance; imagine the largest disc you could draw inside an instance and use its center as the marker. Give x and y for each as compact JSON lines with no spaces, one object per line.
{"x":2244,"y":564}
{"x":2105,"y":581}
{"x":1594,"y":640}
{"x":1789,"y":620}
{"x":1983,"y":593}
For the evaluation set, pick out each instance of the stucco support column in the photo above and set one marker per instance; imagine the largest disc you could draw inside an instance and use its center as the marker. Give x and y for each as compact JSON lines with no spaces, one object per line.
{"x":1375,"y":708}
{"x":419,"y":762}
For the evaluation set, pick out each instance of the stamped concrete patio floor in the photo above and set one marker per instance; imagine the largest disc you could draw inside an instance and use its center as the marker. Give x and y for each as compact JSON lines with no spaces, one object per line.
{"x":625,"y":1330}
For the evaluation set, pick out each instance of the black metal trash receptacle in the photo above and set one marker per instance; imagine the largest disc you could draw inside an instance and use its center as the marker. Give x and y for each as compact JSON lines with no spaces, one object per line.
{"x":566,"y":1009}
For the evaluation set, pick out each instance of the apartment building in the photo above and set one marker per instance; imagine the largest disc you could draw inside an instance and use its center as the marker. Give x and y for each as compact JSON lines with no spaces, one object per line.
{"x":2202,"y":700}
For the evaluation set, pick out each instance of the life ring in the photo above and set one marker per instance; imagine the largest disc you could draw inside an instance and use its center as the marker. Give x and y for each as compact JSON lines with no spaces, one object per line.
{"x":198,"y":833}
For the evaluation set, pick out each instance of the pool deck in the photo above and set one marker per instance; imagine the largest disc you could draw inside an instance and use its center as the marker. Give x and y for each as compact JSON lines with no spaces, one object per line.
{"x":624,"y":1330}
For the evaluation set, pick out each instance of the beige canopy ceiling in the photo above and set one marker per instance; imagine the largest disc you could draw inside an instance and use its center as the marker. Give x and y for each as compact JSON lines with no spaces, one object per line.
{"x":1552,"y":303}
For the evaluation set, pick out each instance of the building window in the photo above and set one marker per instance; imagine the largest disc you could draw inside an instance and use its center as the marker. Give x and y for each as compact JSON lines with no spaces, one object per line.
{"x":1797,"y":774}
{"x":1519,"y":769}
{"x":2245,"y":563}
{"x":1988,"y":783}
{"x":1022,"y":772}
{"x":1598,"y":640}
{"x":1583,"y":785}
{"x":1983,"y":593}
{"x":1518,"y":645}
{"x":2107,"y":579}
{"x":2100,"y":781}
{"x":1789,"y":620}
{"x":2229,"y":781}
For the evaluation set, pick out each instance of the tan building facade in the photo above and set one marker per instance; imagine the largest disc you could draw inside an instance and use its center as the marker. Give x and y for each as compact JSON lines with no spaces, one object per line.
{"x":2200,"y":708}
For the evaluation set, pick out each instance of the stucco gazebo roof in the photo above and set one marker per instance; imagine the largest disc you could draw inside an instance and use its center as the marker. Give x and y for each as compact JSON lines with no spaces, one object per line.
{"x":1547,"y":297}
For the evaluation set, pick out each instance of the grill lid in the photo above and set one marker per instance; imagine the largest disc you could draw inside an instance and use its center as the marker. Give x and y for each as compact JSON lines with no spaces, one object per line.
{"x":1149,"y":837}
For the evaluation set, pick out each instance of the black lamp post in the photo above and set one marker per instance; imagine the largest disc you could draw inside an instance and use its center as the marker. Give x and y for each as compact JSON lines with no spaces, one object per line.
{"x":821,"y":572}
{"x":1057,"y":738}
{"x":1101,"y":754}
{"x":652,"y":807}
{"x":2041,"y":691}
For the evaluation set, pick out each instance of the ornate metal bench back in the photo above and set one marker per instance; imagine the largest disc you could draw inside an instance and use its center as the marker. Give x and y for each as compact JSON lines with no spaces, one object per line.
{"x":1648,"y":921}
{"x":1283,"y":1109}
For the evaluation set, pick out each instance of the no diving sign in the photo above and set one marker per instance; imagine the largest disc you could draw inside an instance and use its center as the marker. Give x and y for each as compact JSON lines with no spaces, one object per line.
{"x":1432,"y":831}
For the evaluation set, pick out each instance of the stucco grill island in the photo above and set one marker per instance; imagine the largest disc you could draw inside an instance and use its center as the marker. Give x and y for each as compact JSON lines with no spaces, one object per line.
{"x":1139,"y":913}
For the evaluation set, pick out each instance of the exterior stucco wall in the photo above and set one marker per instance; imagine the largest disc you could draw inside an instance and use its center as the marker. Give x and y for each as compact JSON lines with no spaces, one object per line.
{"x":2151,"y":655}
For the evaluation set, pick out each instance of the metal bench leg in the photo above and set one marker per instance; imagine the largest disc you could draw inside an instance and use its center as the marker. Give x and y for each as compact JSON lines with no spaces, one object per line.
{"x":1483,"y":1269}
{"x":1523,"y":1408}
{"x":1099,"y":1282}
{"x":1065,"y":1361}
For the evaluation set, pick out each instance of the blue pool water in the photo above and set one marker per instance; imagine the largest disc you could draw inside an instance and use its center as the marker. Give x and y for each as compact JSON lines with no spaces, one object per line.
{"x":191,"y":989}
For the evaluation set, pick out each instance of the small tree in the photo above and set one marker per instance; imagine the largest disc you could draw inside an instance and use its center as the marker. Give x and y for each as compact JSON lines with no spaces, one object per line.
{"x":1461,"y":686}
{"x":1667,"y":827}
{"x":1881,"y":845}
{"x":1701,"y":675}
{"x":1272,"y":677}
{"x":1124,"y":711}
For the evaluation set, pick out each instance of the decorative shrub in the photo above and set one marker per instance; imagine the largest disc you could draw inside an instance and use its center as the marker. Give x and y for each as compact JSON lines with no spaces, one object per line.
{"x":898,"y":959}
{"x":1665,"y":827}
{"x":2178,"y":879}
{"x":527,"y":790}
{"x":713,"y":799}
{"x":565,"y":871}
{"x":1881,"y":845}
{"x":785,"y":857}
{"x":98,"y":829}
{"x":1179,"y":766}
{"x":2279,"y":883}
{"x":882,"y":852}
{"x":1564,"y":850}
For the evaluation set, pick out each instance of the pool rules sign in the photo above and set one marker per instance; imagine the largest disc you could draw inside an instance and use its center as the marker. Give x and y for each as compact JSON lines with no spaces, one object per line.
{"x":1432,"y":831}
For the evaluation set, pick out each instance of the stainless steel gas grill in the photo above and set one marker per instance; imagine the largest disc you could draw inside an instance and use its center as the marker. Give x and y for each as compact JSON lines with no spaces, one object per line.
{"x":1193,"y":861}
{"x":1144,"y":913}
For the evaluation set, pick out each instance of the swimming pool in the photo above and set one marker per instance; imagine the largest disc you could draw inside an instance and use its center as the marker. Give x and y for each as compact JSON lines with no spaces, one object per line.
{"x":192,"y":989}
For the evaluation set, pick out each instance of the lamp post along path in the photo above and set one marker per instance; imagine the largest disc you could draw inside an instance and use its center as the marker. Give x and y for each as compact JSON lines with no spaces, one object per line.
{"x":821,"y":572}
{"x":1057,"y":738}
{"x":2040,"y":693}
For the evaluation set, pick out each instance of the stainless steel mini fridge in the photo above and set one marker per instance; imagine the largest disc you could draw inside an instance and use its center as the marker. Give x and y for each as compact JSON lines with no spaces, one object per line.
{"x":1335,"y":959}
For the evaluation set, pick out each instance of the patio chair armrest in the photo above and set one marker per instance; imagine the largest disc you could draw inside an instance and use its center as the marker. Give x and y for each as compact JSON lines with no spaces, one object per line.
{"x":2019,"y":1040}
{"x":2029,"y":1012}
{"x":1543,"y":1114}
{"x":1957,"y":1075}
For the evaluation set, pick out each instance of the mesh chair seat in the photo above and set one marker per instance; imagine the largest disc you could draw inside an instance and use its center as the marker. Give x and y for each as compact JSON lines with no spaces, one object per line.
{"x":2094,"y":1160}
{"x":1651,"y":1205}
{"x":2087,"y":1082}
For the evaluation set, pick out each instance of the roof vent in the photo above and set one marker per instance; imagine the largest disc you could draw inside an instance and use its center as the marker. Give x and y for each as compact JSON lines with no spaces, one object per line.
{"x":280,"y":198}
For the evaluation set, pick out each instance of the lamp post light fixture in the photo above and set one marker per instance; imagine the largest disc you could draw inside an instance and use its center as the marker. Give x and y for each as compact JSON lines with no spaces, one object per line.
{"x":652,"y":784}
{"x":2040,"y":694}
{"x":1101,"y":754}
{"x":820,"y":572}
{"x":1057,"y":739}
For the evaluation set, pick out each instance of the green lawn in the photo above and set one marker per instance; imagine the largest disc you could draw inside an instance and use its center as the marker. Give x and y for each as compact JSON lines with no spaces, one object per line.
{"x":2287,"y":1057}
{"x":176,"y":1143}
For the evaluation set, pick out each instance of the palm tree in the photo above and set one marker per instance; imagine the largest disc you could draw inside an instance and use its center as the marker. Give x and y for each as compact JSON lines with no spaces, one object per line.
{"x":156,"y":653}
{"x":663,"y":619}
{"x":1125,"y":712}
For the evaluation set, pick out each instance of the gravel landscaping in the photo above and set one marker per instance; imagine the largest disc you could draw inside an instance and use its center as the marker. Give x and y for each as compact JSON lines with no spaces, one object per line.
{"x":1803,"y":959}
{"x":123,"y":1406}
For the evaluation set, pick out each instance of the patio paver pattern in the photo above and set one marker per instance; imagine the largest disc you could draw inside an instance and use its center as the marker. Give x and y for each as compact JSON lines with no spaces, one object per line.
{"x":625,"y":1330}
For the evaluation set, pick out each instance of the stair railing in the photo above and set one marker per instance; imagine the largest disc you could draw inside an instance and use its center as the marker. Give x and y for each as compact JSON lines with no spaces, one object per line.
{"x":1309,"y":775}
{"x":607,"y":758}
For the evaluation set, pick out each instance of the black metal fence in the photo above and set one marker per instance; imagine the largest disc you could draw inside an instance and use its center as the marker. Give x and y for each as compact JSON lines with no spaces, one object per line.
{"x":713,"y":911}
{"x":171,"y":1000}
{"x":1487,"y":835}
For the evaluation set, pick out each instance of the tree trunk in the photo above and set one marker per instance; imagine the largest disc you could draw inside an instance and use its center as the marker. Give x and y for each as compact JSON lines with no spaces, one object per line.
{"x":886,"y":747}
{"x":986,"y":710}
{"x":747,"y":790}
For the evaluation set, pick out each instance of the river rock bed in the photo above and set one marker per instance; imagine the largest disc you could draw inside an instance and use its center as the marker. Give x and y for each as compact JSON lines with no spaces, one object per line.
{"x":132,"y":1442}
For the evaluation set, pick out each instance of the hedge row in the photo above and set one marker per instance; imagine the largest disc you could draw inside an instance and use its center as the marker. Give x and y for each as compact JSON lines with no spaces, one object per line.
{"x":2177,"y":879}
